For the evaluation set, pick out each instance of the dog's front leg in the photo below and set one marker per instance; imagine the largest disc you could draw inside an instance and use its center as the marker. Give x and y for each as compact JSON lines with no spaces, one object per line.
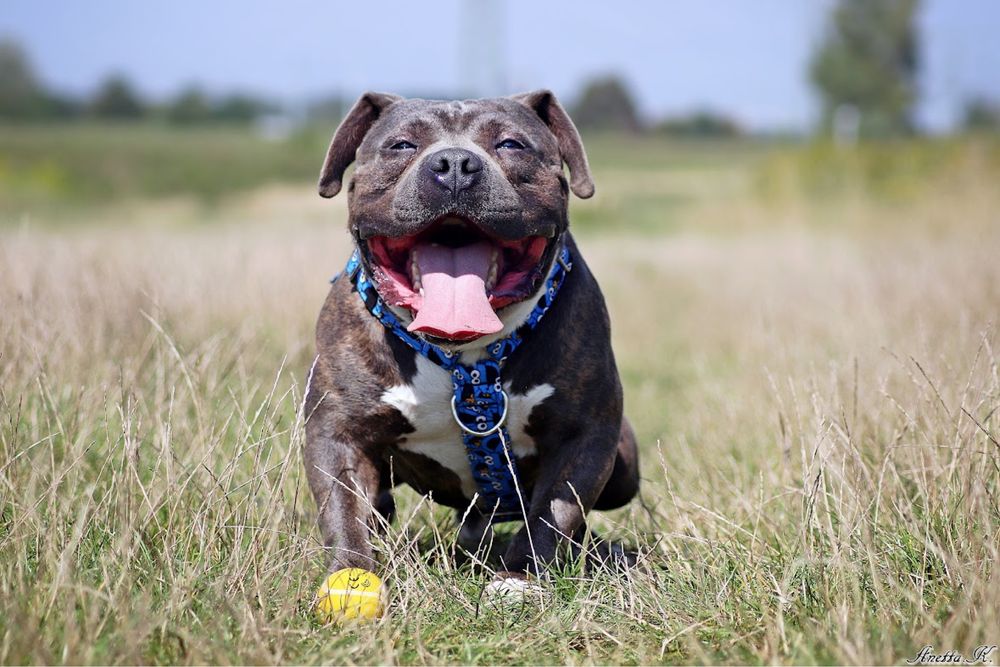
{"x":344,"y":481}
{"x":566,"y":489}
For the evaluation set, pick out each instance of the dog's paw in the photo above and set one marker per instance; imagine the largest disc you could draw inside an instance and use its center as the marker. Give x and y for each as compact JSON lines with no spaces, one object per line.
{"x":510,"y":587}
{"x":612,"y":555}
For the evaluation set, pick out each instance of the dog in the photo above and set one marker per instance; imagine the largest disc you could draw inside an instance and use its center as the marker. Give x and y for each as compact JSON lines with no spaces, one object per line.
{"x":466,"y":348}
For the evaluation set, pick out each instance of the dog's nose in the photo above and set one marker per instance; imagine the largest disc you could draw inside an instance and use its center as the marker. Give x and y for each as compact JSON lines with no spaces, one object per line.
{"x":454,"y":169}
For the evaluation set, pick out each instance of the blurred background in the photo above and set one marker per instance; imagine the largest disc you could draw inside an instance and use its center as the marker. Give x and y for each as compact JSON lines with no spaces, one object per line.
{"x":796,"y":228}
{"x":102,"y":101}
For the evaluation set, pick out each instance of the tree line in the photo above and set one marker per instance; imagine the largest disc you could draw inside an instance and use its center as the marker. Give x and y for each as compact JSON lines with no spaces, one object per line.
{"x":605,"y":104}
{"x":864,"y":71}
{"x":23,"y":97}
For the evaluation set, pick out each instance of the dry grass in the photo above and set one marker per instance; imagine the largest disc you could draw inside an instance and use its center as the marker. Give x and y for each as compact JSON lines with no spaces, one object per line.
{"x":816,"y":407}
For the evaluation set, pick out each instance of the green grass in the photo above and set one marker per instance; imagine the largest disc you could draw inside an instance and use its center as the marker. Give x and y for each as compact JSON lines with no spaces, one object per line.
{"x":814,"y":382}
{"x":54,"y":170}
{"x":890,"y":171}
{"x":64,"y":166}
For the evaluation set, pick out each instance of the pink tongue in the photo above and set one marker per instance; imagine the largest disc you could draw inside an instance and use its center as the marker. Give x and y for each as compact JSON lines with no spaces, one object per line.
{"x":455,"y":304}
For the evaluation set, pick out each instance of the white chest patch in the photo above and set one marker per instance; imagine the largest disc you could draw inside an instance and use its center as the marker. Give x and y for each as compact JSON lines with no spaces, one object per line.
{"x":426,"y":404}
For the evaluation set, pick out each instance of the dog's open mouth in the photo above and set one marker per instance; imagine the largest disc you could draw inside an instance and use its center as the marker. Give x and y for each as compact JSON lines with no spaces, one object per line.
{"x":454,"y":277}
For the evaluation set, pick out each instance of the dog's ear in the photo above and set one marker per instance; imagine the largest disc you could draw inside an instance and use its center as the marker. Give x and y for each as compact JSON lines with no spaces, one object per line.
{"x":545,"y":104}
{"x":348,"y":137}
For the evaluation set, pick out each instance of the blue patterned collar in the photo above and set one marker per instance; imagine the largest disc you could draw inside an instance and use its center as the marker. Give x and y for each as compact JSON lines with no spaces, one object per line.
{"x":479,"y":404}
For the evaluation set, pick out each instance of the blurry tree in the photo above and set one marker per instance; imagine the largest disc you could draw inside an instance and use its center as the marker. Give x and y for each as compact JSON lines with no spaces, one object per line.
{"x":191,"y":106}
{"x":868,"y":62}
{"x":238,"y":108}
{"x":606,"y":104}
{"x":117,"y":100}
{"x":981,"y":115}
{"x":63,"y":106}
{"x":22,"y":96}
{"x":702,"y":124}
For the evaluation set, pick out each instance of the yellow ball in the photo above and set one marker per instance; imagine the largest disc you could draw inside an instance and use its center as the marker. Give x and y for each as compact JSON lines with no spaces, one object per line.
{"x":350,"y":593}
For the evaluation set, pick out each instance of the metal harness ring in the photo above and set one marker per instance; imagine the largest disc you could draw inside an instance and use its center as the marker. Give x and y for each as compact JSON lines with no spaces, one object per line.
{"x":497,"y":427}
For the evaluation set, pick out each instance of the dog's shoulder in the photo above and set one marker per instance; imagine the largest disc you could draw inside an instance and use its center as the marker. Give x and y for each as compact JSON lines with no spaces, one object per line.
{"x":355,"y":360}
{"x":570,"y":351}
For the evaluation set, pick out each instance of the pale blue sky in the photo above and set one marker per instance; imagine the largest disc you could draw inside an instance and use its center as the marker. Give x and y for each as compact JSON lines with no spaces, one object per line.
{"x":745,"y":57}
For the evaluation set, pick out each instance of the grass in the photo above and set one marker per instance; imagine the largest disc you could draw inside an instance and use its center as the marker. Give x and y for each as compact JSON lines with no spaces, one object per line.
{"x":51,"y":169}
{"x":814,"y":381}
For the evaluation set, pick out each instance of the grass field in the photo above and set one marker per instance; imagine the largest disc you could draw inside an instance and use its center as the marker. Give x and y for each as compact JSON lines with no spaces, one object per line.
{"x":808,"y":340}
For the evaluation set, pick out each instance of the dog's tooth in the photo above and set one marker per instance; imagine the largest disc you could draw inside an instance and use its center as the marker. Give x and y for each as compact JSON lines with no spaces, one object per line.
{"x":491,"y":275}
{"x":415,"y":271}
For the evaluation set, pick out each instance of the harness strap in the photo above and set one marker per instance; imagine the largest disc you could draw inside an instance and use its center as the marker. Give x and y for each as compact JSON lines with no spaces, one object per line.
{"x":479,"y":403}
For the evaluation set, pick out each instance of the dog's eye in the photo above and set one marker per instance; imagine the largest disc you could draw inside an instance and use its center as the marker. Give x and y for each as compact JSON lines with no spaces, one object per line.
{"x":510,"y":144}
{"x":403,"y":146}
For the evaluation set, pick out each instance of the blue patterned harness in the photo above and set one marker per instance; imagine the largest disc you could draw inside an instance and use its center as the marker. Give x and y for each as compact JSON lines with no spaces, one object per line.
{"x":479,"y":404}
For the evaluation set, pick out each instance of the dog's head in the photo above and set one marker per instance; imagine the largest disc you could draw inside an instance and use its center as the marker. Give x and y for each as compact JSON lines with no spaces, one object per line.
{"x":457,"y":207}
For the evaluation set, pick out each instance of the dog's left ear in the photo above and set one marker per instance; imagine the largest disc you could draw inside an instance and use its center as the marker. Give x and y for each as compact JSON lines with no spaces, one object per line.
{"x":348,"y":137}
{"x":545,"y":104}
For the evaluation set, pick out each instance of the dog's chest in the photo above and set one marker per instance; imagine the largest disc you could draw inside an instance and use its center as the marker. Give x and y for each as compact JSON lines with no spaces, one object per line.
{"x":426,"y":403}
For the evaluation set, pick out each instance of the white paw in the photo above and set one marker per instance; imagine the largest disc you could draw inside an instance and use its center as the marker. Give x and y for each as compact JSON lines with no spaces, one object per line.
{"x":512,"y":589}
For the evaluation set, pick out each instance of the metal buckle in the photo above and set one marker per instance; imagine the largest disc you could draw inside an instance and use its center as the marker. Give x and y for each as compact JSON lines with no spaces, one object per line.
{"x":481,"y":434}
{"x":567,"y":266}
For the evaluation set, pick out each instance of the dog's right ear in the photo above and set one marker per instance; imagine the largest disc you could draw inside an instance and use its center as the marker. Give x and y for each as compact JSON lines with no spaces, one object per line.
{"x":348,"y":137}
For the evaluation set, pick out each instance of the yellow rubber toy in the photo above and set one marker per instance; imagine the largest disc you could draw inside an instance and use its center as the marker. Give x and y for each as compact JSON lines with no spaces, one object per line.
{"x":351,"y":593}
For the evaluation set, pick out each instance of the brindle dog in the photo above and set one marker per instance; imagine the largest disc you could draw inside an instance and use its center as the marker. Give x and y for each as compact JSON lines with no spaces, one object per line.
{"x":458,"y":211}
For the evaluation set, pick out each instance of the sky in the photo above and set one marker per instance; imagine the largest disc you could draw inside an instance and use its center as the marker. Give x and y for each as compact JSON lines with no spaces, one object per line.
{"x":746,"y":58}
